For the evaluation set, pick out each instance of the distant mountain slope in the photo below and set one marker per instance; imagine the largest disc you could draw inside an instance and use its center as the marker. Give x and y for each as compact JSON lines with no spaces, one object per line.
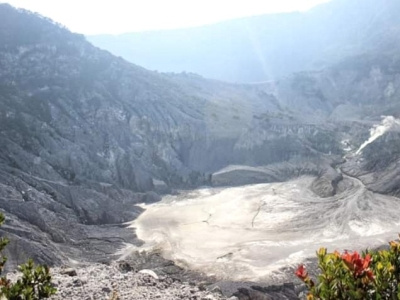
{"x":265,"y":47}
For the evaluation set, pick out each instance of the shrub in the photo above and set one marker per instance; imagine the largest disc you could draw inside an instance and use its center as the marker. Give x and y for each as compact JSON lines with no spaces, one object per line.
{"x":371,"y":275}
{"x":34,"y":284}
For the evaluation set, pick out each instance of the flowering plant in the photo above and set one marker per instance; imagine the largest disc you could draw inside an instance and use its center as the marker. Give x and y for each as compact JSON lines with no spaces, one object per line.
{"x":351,"y":275}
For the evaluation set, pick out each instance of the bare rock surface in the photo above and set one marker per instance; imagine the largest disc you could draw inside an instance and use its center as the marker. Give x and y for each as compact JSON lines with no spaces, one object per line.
{"x":111,"y":282}
{"x":99,"y":281}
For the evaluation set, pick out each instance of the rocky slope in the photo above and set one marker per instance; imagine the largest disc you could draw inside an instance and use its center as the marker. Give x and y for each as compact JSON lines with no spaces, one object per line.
{"x":265,"y":47}
{"x":133,"y":279}
{"x":112,"y":282}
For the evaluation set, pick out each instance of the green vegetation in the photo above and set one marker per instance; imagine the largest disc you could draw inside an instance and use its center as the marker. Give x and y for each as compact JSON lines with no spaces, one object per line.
{"x":34,"y":284}
{"x":371,"y":275}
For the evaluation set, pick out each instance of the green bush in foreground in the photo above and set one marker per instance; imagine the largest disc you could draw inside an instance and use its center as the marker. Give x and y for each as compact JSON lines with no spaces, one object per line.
{"x":371,"y":275}
{"x":34,"y":284}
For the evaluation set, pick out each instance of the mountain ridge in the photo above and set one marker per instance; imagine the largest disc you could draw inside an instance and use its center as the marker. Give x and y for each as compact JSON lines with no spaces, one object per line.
{"x":263,"y":47}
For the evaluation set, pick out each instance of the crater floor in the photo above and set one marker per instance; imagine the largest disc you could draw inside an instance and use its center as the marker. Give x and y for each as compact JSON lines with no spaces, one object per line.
{"x":252,"y":232}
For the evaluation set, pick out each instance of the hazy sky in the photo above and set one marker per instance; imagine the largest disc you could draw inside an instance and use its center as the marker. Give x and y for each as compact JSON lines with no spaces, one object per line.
{"x":119,"y":16}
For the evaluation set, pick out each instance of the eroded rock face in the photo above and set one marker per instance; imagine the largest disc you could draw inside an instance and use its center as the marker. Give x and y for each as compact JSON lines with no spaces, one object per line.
{"x":51,"y":221}
{"x":377,"y":165}
{"x":325,"y":185}
{"x":74,"y":113}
